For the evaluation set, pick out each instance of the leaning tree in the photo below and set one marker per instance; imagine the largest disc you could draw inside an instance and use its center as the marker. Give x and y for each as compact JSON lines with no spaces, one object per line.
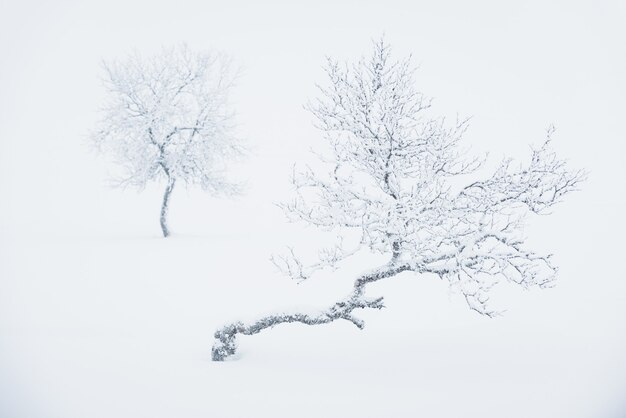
{"x":399,"y":178}
{"x":168,"y":119}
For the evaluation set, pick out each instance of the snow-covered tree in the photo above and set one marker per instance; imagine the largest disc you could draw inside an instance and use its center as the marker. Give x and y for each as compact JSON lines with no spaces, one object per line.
{"x":168,"y":119}
{"x":402,"y":180}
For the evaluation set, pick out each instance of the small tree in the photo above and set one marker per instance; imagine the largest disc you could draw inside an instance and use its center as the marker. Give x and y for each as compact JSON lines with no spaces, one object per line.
{"x":399,"y":178}
{"x":168,"y":118}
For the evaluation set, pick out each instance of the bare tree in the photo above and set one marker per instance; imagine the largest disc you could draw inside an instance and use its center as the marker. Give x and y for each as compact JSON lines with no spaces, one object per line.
{"x":168,"y":118}
{"x":399,"y":178}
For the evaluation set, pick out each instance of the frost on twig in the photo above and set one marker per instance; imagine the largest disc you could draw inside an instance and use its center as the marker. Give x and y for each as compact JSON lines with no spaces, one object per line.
{"x":293,"y":267}
{"x":399,"y":177}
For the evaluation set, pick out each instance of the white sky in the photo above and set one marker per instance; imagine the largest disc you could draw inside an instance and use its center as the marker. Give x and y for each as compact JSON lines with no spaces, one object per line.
{"x":515,"y":68}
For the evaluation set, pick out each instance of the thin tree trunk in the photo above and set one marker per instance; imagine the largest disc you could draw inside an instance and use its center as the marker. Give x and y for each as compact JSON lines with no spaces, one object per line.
{"x":165,"y":206}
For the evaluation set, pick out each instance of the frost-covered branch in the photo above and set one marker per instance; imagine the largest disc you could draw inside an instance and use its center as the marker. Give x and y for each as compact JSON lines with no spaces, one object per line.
{"x":225,"y":344}
{"x":293,"y":267}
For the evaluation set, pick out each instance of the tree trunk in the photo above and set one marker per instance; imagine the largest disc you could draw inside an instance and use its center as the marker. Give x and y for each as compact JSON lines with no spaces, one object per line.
{"x":225,"y":338}
{"x":165,"y":205}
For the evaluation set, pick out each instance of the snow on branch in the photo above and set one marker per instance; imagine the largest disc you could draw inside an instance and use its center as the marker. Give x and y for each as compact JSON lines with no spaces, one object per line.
{"x":225,"y":344}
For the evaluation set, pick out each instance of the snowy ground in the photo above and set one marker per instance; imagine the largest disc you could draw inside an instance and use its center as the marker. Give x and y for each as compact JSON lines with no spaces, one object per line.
{"x":99,"y":317}
{"x":120,"y":327}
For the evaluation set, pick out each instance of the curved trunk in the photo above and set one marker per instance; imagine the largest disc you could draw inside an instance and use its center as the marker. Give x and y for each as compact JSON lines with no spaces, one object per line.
{"x":225,"y":344}
{"x":165,"y":206}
